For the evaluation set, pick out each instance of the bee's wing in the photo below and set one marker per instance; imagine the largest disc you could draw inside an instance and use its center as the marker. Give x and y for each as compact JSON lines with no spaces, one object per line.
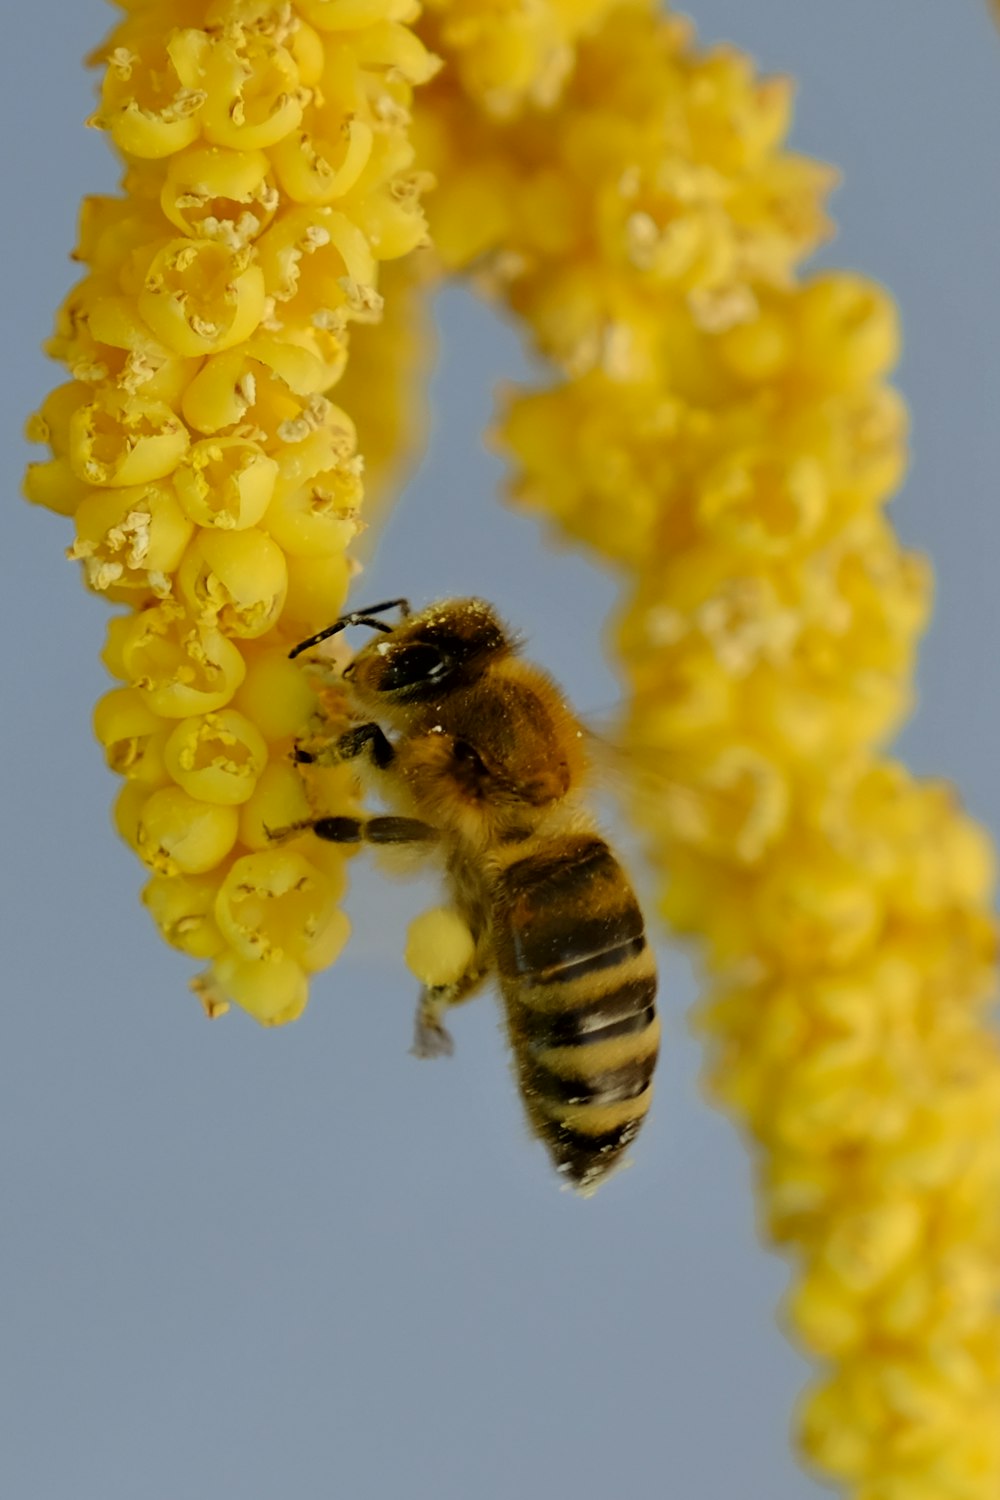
{"x":733,"y":803}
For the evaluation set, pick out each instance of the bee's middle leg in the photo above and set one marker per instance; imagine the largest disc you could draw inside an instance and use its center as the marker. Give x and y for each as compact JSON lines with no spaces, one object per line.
{"x":387,"y":829}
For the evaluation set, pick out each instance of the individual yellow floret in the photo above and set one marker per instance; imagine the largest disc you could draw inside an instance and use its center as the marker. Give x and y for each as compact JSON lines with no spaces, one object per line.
{"x":225,"y":482}
{"x":216,"y":757}
{"x":182,"y":906}
{"x":279,"y":800}
{"x":199,"y":297}
{"x":131,"y":537}
{"x":145,"y":103}
{"x":275,"y":903}
{"x":274,"y":992}
{"x":275,"y":694}
{"x":119,"y":439}
{"x":212,"y":193}
{"x":252,"y":92}
{"x":181,"y":665}
{"x":235,"y":579}
{"x":176,"y":833}
{"x":134,"y":737}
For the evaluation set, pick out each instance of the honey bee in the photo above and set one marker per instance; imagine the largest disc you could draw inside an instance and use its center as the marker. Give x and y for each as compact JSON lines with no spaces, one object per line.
{"x":484,"y":764}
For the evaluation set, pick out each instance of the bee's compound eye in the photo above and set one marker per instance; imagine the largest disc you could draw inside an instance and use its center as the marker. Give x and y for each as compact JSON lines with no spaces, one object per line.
{"x":409,"y":666}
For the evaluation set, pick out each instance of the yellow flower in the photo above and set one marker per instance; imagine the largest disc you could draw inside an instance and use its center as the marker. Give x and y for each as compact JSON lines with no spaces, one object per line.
{"x":214,"y":486}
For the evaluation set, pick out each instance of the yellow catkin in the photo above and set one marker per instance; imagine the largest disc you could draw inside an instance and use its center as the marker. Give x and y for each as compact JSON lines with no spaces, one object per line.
{"x":720,"y":430}
{"x":213,"y":483}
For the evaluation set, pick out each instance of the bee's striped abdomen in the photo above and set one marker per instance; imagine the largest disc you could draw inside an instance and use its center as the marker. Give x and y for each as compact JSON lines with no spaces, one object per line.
{"x":579,"y":983}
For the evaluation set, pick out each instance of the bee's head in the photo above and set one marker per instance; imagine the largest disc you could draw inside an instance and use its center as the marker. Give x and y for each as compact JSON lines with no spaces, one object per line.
{"x":445,"y":646}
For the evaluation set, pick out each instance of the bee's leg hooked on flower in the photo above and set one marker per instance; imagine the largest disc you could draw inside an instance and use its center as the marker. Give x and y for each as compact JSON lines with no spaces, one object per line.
{"x":380,"y":830}
{"x":348,"y":747}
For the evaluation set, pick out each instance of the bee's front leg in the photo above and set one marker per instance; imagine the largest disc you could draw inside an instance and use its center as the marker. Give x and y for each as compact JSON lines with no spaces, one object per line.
{"x":348,"y":746}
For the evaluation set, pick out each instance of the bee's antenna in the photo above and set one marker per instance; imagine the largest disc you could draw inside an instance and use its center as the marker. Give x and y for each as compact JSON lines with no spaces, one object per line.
{"x":356,"y":617}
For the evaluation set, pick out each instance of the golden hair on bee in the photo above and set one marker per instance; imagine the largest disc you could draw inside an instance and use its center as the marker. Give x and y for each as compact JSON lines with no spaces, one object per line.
{"x":484,"y":763}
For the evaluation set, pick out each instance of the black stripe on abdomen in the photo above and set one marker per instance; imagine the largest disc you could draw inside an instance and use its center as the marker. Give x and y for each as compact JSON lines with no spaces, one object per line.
{"x":557,"y":912}
{"x":626,"y":1011}
{"x":612,"y":1086}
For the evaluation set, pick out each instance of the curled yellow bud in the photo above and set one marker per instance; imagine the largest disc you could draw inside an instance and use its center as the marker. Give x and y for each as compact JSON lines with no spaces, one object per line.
{"x":759,"y":349}
{"x":119,"y":439}
{"x":214,"y":194}
{"x":182,"y":906}
{"x":144,"y":103}
{"x":315,"y":169}
{"x":810,"y":903}
{"x":306,"y":46}
{"x":200,"y":297}
{"x":253,"y":90}
{"x":133,"y":736}
{"x":54,"y":485}
{"x":276,"y":903}
{"x":182,"y":666}
{"x":762,"y":502}
{"x":216,"y":757}
{"x":320,"y":517}
{"x":275,"y":695}
{"x":835,"y":1433}
{"x":127,"y":806}
{"x":278,"y":801}
{"x":317,"y":588}
{"x":389,"y":44}
{"x":225,"y":482}
{"x":869,"y":1244}
{"x":236,"y":578}
{"x":847,"y":329}
{"x":175,"y":833}
{"x":825,"y":1314}
{"x":734,"y":806}
{"x":235,"y":389}
{"x":318,"y":250}
{"x":273,"y":992}
{"x":52,"y":423}
{"x":131,"y":537}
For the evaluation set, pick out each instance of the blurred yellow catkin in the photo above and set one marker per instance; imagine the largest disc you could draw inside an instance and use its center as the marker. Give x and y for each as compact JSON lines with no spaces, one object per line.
{"x":722,"y":432}
{"x":718,"y":429}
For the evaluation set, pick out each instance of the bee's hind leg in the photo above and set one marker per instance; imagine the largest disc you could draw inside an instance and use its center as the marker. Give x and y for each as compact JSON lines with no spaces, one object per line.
{"x":431,"y":1038}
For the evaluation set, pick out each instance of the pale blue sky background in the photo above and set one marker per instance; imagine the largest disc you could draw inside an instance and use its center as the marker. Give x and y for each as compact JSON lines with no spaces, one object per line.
{"x":301,"y":1264}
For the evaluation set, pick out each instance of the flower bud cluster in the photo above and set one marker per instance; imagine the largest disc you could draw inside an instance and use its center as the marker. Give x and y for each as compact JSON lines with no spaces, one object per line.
{"x":213,"y":483}
{"x":722,"y":432}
